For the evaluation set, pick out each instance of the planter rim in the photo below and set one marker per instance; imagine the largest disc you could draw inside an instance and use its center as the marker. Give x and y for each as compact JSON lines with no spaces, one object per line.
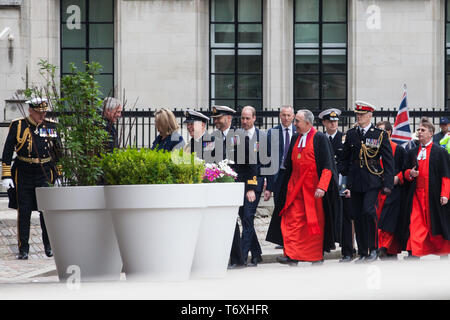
{"x":70,"y":198}
{"x":152,"y":196}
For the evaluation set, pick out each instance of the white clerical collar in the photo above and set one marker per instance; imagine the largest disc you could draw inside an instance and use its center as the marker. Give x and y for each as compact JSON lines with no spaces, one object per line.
{"x":426,"y":145}
{"x":331,"y":135}
{"x":302,"y":142}
{"x":250,"y":132}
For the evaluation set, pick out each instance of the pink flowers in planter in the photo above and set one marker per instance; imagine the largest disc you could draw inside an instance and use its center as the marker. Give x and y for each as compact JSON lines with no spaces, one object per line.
{"x":220,"y":172}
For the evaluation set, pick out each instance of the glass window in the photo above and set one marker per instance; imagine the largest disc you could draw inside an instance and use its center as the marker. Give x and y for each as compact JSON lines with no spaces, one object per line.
{"x":306,"y":10}
{"x":335,"y":10}
{"x":87,"y":34}
{"x":250,"y":10}
{"x":320,"y":61}
{"x":236,"y":61}
{"x":222,"y":11}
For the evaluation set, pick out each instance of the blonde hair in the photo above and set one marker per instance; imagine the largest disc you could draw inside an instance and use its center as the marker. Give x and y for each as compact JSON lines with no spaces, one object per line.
{"x":165,"y":121}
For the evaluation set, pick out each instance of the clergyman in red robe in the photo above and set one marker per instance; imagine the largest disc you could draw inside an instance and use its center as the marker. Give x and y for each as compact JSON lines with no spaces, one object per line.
{"x":310,"y":196}
{"x":427,"y":230}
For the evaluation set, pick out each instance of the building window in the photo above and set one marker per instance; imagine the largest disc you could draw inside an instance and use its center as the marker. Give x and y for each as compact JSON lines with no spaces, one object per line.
{"x":87,"y":34}
{"x":236,"y":45}
{"x":320,"y":59}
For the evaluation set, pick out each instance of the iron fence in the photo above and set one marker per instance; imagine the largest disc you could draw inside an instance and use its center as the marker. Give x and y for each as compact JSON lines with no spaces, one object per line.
{"x":137,"y":127}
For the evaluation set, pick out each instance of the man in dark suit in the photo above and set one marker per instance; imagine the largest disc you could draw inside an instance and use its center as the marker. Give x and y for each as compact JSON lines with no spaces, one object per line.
{"x":330,"y":119}
{"x":364,"y":146}
{"x":284,"y":133}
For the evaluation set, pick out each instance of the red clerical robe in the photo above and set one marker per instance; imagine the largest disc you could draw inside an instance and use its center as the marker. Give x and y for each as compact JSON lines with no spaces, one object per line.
{"x":387,"y":239}
{"x":421,"y":240}
{"x":302,"y":218}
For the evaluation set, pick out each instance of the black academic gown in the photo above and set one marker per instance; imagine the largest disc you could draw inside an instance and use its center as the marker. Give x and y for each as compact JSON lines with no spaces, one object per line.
{"x":331,"y":201}
{"x":392,"y":207}
{"x":439,"y":163}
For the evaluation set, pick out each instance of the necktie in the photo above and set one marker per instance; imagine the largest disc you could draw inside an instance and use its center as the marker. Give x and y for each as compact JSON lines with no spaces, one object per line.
{"x":286,"y":143}
{"x":331,"y":138}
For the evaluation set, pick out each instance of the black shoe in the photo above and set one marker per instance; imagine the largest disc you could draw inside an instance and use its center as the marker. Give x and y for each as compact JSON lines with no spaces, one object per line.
{"x":346,"y":259}
{"x":287,"y":260}
{"x":23,"y":256}
{"x":372,"y":256}
{"x":48,"y":252}
{"x":382,"y":253}
{"x":279,"y":247}
{"x":361,"y":259}
{"x":236,"y":266}
{"x":254,"y":261}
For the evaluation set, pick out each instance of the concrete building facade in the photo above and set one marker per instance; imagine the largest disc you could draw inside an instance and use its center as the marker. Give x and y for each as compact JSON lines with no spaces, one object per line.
{"x":162,"y":53}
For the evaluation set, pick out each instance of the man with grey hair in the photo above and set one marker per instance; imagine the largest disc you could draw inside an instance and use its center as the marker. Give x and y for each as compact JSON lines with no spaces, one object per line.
{"x":283,"y":133}
{"x":309,"y":195}
{"x":112,"y":110}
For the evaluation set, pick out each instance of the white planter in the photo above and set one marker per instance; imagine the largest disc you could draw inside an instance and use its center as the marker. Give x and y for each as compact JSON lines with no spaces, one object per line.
{"x":217,"y":229}
{"x":157,"y":228}
{"x":81,"y":233}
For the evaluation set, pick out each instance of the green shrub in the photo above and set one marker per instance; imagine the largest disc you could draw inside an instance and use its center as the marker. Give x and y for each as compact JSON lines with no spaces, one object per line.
{"x":145,"y":166}
{"x":81,"y":128}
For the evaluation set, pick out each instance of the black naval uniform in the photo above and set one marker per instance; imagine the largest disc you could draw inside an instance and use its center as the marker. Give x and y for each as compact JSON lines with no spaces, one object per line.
{"x":203,"y":145}
{"x":248,"y":172}
{"x":346,"y":239}
{"x":365,"y":178}
{"x":33,"y":144}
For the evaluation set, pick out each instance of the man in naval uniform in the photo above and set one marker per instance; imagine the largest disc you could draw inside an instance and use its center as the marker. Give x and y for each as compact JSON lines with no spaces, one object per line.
{"x":330,"y":119}
{"x":364,"y":146}
{"x":34,"y":140}
{"x":201,"y":142}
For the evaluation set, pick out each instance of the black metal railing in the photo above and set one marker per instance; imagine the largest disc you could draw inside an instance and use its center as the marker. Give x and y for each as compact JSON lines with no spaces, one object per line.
{"x":137,"y":128}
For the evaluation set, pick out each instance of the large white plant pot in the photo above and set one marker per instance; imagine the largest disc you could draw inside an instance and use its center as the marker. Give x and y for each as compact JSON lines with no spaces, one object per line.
{"x":157,"y":228}
{"x":81,"y":233}
{"x":217,"y":229}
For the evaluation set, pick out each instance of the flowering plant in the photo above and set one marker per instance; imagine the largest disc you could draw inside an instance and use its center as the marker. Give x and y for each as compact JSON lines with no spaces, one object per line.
{"x":220,"y":172}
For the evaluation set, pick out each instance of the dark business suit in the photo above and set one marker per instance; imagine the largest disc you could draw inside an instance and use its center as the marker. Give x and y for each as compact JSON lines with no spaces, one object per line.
{"x":274,"y":181}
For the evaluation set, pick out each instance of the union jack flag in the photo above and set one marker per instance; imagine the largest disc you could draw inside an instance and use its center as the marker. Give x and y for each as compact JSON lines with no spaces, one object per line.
{"x":402,"y":131}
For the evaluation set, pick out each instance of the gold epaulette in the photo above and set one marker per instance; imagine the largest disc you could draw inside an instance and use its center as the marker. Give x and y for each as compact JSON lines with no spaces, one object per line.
{"x":12,"y":121}
{"x":253,"y":182}
{"x":6,"y":170}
